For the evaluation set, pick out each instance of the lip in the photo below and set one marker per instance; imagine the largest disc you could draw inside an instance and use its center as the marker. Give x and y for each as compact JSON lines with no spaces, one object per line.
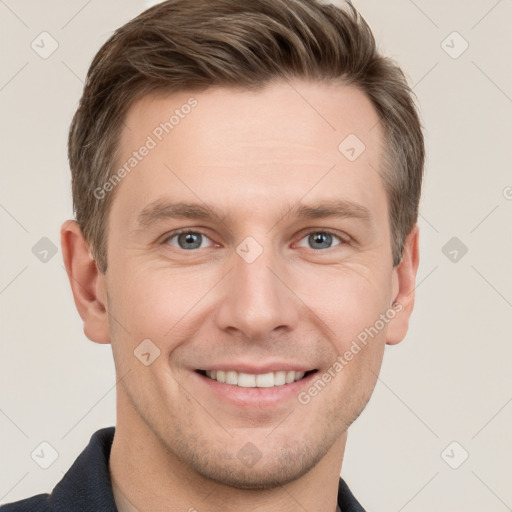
{"x":258,"y":369}
{"x":254,"y":398}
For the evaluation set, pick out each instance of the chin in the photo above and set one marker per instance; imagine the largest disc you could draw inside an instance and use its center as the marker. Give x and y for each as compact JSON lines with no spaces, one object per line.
{"x":272,"y":475}
{"x":251,"y":469}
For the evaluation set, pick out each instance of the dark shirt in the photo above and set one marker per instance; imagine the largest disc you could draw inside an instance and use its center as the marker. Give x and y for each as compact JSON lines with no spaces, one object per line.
{"x":86,"y":487}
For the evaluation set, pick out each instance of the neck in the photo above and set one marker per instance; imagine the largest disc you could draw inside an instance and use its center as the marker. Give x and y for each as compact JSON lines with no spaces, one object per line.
{"x":152,"y":478}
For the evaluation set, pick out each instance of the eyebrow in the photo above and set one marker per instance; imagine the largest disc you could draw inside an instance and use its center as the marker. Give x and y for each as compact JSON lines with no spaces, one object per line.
{"x":162,"y":209}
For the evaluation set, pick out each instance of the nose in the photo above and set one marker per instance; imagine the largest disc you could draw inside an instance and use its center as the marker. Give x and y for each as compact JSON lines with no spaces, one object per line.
{"x":257,"y":301}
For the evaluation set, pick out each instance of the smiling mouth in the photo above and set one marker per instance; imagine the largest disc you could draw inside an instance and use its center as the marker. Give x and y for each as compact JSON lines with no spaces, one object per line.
{"x":249,"y":380}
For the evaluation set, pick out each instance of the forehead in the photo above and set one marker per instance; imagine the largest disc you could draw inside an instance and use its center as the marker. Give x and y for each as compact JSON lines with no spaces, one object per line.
{"x":239,"y":147}
{"x":285,"y":111}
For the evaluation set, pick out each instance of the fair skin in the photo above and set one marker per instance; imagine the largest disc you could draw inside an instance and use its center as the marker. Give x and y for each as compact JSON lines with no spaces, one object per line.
{"x":253,"y":157}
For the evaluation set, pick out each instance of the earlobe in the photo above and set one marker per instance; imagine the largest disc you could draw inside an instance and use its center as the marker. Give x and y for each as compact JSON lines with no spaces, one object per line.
{"x":87,"y":283}
{"x":404,"y":283}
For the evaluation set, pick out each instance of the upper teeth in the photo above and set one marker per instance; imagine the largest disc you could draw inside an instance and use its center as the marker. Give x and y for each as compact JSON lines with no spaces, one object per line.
{"x":248,"y":380}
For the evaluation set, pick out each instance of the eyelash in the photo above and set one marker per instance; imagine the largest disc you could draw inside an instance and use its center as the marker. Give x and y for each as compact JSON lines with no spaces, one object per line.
{"x":342,"y":239}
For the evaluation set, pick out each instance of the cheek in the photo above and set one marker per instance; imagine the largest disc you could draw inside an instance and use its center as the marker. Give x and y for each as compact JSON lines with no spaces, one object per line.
{"x":347,"y":300}
{"x":158,"y":303}
{"x":164,"y":303}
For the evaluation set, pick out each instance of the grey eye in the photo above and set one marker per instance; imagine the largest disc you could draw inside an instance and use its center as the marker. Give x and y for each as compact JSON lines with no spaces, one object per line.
{"x":189,"y":240}
{"x":320,"y":240}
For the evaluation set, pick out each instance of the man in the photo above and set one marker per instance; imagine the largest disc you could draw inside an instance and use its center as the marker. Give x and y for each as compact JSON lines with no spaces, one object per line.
{"x":246,"y":178}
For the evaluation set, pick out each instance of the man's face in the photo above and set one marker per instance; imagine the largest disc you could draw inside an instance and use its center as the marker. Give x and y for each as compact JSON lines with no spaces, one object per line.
{"x":289,"y":263}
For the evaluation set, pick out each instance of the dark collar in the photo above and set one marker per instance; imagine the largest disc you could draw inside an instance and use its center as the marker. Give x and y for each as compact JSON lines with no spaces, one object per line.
{"x":86,"y":486}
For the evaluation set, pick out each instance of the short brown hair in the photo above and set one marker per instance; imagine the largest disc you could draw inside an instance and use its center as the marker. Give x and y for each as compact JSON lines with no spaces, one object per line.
{"x":182,"y":45}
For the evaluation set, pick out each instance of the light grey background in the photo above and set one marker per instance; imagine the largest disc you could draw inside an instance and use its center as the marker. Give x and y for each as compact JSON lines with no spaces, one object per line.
{"x":450,"y":380}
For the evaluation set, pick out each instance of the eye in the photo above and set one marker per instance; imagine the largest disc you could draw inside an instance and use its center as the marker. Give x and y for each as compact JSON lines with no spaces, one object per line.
{"x":320,"y":240}
{"x":188,"y":240}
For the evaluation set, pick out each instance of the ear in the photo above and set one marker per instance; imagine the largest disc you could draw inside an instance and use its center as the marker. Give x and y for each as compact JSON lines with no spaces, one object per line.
{"x":87,"y":282}
{"x":404,"y":284}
